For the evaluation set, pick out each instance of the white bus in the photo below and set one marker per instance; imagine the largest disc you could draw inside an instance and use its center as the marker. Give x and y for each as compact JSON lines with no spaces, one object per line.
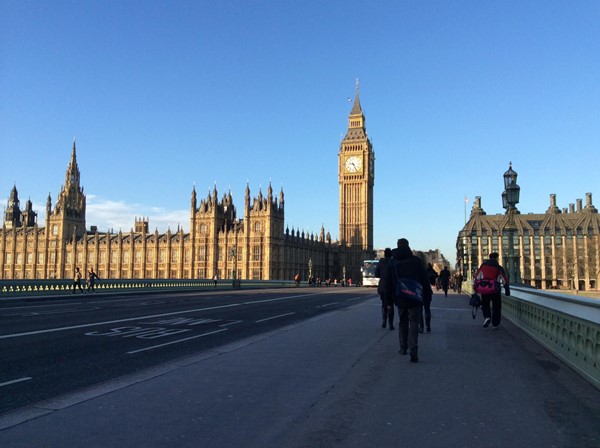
{"x":368,"y":273}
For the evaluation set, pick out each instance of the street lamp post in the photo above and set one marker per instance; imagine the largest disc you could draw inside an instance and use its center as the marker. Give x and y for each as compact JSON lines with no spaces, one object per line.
{"x":510,"y":198}
{"x":233,"y":255}
{"x":310,"y":271}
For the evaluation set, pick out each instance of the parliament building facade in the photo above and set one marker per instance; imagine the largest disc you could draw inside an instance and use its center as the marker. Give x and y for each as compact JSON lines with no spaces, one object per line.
{"x":218,"y":243}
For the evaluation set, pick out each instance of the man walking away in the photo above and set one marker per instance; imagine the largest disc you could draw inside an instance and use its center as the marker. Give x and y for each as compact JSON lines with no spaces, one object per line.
{"x":407,"y":265}
{"x":387,"y":304}
{"x":445,"y":280}
{"x":491,"y":273}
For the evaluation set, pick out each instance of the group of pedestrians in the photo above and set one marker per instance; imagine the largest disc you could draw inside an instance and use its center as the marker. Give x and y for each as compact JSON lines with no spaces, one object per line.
{"x":90,"y":280}
{"x":400,"y":264}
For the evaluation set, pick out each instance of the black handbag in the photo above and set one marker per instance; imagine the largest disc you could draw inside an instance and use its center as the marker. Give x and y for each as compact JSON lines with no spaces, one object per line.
{"x":475,"y":302}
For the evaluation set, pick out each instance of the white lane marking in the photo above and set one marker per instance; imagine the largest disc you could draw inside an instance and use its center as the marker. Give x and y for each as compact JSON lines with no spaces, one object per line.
{"x":27,"y":378}
{"x":175,"y":342}
{"x":235,"y":322}
{"x":279,"y":298}
{"x":327,"y":304}
{"x":361,"y":297}
{"x":274,"y":317}
{"x":72,"y":327}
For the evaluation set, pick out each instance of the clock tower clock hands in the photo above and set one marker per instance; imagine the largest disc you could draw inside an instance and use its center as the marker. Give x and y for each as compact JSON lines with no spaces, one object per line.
{"x":353,"y":164}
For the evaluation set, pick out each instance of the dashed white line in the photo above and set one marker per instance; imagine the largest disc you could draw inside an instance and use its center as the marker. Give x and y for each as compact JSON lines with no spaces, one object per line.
{"x":273,"y":317}
{"x":328,"y":304}
{"x":235,"y":322}
{"x":175,"y":342}
{"x":27,"y":378}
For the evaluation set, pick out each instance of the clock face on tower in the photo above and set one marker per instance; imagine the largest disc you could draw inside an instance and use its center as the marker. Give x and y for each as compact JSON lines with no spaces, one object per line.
{"x":353,"y":164}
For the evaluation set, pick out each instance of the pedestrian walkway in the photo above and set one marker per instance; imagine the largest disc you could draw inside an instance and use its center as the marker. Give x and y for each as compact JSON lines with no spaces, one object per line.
{"x":336,"y":381}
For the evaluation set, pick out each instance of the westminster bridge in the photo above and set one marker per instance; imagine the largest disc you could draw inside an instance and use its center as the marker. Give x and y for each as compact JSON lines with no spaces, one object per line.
{"x":311,"y":367}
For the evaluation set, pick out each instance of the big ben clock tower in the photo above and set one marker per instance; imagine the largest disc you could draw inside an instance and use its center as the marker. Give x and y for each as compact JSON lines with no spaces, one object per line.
{"x":356,"y":177}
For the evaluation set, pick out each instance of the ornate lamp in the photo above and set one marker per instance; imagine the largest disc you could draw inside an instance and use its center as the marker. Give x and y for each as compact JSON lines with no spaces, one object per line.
{"x":510,"y":176}
{"x":510,"y":198}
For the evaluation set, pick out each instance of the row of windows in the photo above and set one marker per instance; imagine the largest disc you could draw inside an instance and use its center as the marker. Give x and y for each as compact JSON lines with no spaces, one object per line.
{"x":114,"y":256}
{"x":257,"y":226}
{"x":579,"y":232}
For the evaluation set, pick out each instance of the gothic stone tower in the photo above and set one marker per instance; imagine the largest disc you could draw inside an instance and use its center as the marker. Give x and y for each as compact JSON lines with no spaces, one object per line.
{"x":356,"y":170}
{"x":66,"y":222}
{"x":228,"y":247}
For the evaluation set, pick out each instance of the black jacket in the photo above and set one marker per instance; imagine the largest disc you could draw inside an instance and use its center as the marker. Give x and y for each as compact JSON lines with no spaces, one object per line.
{"x":445,"y":276}
{"x":382,"y":273}
{"x":411,"y":266}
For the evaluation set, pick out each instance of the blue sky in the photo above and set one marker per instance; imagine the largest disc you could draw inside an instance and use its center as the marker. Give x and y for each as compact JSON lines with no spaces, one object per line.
{"x":161,"y":96}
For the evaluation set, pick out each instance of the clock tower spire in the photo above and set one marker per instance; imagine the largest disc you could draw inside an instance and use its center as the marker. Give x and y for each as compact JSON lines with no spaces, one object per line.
{"x":356,"y":168}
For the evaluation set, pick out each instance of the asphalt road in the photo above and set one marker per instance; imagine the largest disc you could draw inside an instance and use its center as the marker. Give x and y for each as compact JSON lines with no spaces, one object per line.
{"x":333,"y":380}
{"x":50,"y":347}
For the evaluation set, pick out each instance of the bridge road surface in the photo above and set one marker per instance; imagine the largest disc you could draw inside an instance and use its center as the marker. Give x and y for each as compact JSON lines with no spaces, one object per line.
{"x":334,"y":380}
{"x":58,"y":345}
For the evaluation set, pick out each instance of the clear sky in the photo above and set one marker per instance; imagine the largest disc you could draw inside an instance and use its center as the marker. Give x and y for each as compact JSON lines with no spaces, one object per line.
{"x":164,"y":95}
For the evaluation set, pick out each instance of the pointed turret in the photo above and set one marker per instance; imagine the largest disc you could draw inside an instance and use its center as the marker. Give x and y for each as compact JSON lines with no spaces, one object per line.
{"x":48,"y":206}
{"x":356,"y":109}
{"x":193,"y":201}
{"x":72,"y":178}
{"x":28,"y":217}
{"x":247,"y":200}
{"x":12,"y":215}
{"x":356,"y":121}
{"x":70,"y":205}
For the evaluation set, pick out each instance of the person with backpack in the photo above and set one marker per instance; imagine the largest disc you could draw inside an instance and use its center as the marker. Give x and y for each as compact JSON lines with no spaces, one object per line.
{"x":387,"y":305}
{"x":408,"y":269}
{"x":487,"y":282}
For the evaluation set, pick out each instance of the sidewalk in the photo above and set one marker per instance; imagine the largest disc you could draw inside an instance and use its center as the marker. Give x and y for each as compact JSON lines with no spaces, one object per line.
{"x":336,"y":381}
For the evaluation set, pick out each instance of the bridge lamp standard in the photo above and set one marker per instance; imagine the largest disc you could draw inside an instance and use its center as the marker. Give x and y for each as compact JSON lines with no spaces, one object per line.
{"x":233,"y":255}
{"x":510,"y":198}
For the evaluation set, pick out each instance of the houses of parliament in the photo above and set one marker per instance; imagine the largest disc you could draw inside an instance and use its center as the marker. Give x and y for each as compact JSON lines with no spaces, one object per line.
{"x":218,"y":243}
